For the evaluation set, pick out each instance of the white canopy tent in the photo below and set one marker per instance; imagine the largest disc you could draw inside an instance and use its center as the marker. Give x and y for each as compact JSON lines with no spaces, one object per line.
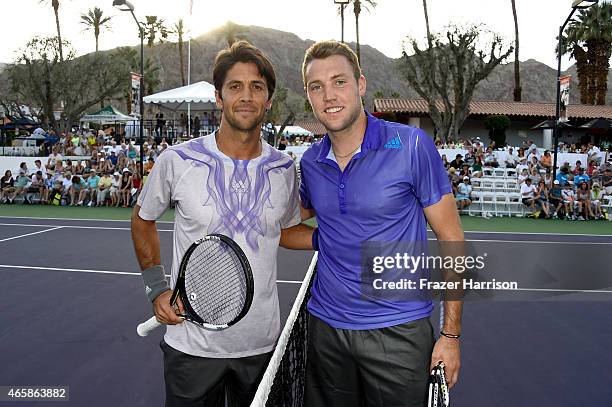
{"x":108,"y":115}
{"x":200,"y":95}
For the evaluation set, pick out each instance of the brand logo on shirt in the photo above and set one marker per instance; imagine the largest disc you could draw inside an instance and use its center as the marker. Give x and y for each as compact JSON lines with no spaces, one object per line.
{"x":395,"y":143}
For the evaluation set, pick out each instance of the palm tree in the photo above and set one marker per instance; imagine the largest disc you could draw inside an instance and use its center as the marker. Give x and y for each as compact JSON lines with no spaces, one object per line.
{"x":179,"y":30}
{"x":95,"y":21}
{"x":357,"y":4}
{"x":592,"y":29}
{"x":154,"y":28}
{"x":55,"y":4}
{"x":571,"y":44}
{"x":517,"y":73}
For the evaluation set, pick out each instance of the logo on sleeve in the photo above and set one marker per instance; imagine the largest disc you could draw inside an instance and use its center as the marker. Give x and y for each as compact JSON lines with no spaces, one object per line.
{"x":395,"y":143}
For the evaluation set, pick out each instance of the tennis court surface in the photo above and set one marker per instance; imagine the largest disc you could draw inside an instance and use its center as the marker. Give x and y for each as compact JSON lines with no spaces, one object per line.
{"x":71,"y":297}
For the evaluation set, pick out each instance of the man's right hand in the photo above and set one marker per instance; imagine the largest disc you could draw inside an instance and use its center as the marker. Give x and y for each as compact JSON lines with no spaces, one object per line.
{"x":164,"y":312}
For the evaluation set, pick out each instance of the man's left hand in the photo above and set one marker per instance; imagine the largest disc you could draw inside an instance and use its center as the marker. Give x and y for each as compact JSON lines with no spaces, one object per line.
{"x":446,"y":350}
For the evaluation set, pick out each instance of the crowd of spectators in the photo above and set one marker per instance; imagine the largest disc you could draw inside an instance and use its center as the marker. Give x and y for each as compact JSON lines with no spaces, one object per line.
{"x":82,"y":168}
{"x":575,"y":194}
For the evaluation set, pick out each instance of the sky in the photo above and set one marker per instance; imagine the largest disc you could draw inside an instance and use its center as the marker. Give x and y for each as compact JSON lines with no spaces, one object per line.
{"x":384,"y":27}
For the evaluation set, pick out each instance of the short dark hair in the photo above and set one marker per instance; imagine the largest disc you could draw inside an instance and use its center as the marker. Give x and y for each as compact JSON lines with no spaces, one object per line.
{"x":325,"y":49}
{"x":242,"y":51}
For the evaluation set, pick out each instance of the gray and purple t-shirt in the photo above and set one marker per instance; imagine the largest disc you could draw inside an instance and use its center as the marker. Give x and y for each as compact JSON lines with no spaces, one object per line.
{"x":247,"y":200}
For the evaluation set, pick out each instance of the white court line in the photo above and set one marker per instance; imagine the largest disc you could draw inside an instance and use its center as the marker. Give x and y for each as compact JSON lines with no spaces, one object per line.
{"x":88,"y":220}
{"x":75,"y":227}
{"x":30,"y":234}
{"x":432,"y":239}
{"x":123,"y":273}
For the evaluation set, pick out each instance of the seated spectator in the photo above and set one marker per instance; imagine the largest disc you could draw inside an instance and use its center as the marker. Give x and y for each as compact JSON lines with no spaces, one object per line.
{"x":528,"y":191}
{"x":593,"y":152}
{"x":562,"y":176}
{"x":54,"y":158}
{"x":464,"y":190}
{"x":91,"y":190}
{"x":583,"y":200}
{"x":490,"y":159}
{"x":37,"y":186}
{"x":457,"y":163}
{"x":577,"y":168}
{"x":148,"y":166}
{"x":542,"y":199}
{"x":568,"y":202}
{"x":125,"y":187}
{"x":445,"y":161}
{"x":477,"y":168}
{"x":113,"y":158}
{"x":596,"y":199}
{"x":114,"y":189}
{"x":511,"y":159}
{"x":591,"y":168}
{"x":79,"y":169}
{"x":103,"y":190}
{"x":606,"y":180}
{"x":7,"y":188}
{"x":132,"y":154}
{"x":533,"y":163}
{"x":22,"y":183}
{"x":453,"y":178}
{"x":69,"y":167}
{"x":535,"y":176}
{"x":136,"y":186}
{"x":465,"y":171}
{"x":76,"y":186}
{"x":546,"y":160}
{"x":555,"y":198}
{"x":523,"y":176}
{"x":581,"y":177}
{"x":548,"y":178}
{"x":469,"y":158}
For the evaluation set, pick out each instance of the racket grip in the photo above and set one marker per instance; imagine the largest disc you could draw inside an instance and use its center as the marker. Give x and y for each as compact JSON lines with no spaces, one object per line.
{"x":146,"y":327}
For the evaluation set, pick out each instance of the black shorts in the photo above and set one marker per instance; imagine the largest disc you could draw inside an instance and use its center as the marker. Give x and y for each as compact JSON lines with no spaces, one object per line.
{"x":203,"y":382}
{"x":375,"y":367}
{"x":527,"y":201}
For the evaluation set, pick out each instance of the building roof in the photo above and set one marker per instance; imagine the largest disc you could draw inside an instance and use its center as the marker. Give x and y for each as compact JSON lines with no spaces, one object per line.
{"x":523,"y":109}
{"x":314,"y":127}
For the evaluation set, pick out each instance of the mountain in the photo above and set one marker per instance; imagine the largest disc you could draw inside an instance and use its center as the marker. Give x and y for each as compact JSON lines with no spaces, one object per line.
{"x":286,"y":51}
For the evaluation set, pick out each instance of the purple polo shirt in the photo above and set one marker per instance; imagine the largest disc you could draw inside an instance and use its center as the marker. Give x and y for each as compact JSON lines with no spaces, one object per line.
{"x":380,"y":196}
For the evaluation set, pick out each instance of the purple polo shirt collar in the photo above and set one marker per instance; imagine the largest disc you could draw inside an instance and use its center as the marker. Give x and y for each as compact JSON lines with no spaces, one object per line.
{"x":371,"y":141}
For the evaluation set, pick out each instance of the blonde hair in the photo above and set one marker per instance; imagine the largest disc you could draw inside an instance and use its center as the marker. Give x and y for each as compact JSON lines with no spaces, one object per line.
{"x":325,"y":49}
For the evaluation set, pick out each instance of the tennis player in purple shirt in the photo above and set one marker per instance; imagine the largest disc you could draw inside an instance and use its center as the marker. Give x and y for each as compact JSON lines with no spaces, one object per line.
{"x":369,"y":180}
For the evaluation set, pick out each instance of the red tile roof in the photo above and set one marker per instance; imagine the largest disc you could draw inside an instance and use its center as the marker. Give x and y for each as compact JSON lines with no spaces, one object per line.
{"x":314,"y":127}
{"x":538,"y":110}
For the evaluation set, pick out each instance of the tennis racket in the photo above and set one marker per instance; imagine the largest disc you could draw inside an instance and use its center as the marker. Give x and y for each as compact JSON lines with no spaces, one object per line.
{"x":215,"y":284}
{"x":438,"y":394}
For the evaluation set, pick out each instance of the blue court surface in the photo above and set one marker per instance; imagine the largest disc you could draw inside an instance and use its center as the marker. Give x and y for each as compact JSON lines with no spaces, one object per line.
{"x":71,"y":297}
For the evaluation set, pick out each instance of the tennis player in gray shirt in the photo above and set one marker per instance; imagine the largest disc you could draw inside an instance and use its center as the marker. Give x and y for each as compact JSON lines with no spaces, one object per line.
{"x":229,"y":182}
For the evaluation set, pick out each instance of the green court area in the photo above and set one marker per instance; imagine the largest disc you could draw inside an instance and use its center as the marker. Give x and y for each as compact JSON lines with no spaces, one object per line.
{"x":521,"y":225}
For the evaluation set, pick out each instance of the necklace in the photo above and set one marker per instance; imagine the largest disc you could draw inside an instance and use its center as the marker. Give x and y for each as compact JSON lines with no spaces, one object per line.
{"x":347,"y":155}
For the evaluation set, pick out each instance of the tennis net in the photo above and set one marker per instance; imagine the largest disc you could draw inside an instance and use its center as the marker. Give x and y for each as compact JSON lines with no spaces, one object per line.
{"x":283,"y":382}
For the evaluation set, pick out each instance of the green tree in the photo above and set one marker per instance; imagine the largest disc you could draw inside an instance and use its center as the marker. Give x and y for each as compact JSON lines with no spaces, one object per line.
{"x":95,"y":20}
{"x":588,"y":39}
{"x":40,"y":79}
{"x":155,"y":29}
{"x":447,"y":73}
{"x":56,"y":4}
{"x":179,"y":30}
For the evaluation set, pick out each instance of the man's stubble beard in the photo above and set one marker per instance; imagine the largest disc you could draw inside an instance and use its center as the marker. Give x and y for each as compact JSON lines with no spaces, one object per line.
{"x":250,"y":126}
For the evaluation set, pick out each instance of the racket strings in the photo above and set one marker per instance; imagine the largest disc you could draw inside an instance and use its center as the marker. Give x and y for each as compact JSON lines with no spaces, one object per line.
{"x":215,"y":283}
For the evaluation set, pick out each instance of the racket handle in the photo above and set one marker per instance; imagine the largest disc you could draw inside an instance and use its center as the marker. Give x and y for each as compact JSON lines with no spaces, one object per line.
{"x":149,"y":325}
